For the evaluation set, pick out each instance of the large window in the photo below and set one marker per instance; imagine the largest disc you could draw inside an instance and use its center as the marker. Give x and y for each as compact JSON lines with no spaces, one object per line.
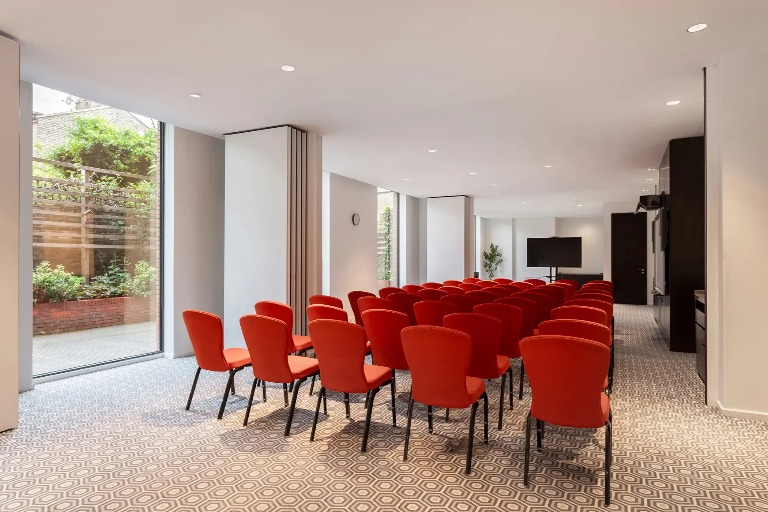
{"x":387,"y":213}
{"x":96,"y":233}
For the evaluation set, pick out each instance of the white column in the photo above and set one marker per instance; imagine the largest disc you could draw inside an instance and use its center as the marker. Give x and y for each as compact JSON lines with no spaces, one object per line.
{"x":450,"y":237}
{"x":9,"y":234}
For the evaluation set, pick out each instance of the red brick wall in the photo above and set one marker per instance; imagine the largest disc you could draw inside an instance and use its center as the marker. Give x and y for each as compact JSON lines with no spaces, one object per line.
{"x":78,"y":315}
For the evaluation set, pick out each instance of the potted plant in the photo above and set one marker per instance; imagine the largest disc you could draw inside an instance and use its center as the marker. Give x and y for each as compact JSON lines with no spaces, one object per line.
{"x":491,"y":260}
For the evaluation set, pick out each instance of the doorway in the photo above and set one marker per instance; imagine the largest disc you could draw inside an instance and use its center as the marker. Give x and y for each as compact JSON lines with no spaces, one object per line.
{"x":629,"y":249}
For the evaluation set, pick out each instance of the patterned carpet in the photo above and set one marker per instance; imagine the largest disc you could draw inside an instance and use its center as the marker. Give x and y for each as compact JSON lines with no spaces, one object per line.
{"x":121,"y":440}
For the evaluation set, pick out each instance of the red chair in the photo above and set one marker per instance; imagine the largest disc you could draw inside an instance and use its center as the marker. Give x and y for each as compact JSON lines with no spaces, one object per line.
{"x":451,"y":282}
{"x":431,"y":312}
{"x":499,"y":291}
{"x":323,"y":312}
{"x":385,"y":292}
{"x":574,"y":284}
{"x":555,"y":293}
{"x":609,"y":284}
{"x":607,"y":307}
{"x":486,"y":284}
{"x":452,"y":290}
{"x":597,"y":288}
{"x":502,"y":280}
{"x":511,"y":318}
{"x":206,"y":333}
{"x":593,"y":295}
{"x":512,"y":288}
{"x":471,"y":280}
{"x":523,"y":285}
{"x":481,"y":296}
{"x":439,"y":360}
{"x":485,"y":332}
{"x":568,"y":290}
{"x":536,"y":282}
{"x":468,"y":287}
{"x":543,"y":304}
{"x":530,"y":313}
{"x":340,"y":348}
{"x":431,"y":285}
{"x":383,"y":329}
{"x":580,"y":313}
{"x":268,"y":341}
{"x":577,"y":329}
{"x":464,"y":303}
{"x":284,"y":312}
{"x":566,"y":376}
{"x":328,"y":300}
{"x":366,"y":303}
{"x":353,"y":298}
{"x":413,"y":289}
{"x":431,"y":294}
{"x":404,"y":303}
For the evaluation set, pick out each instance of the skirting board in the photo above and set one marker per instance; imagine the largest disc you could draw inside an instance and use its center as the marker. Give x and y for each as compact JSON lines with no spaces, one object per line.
{"x":91,"y":369}
{"x":739,"y":413}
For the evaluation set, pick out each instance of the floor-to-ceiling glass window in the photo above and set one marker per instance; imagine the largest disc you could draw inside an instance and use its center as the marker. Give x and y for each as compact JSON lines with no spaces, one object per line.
{"x":96,"y":233}
{"x":387,"y":213}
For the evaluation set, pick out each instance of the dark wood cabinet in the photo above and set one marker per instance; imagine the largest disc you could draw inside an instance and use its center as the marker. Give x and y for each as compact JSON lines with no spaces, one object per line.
{"x":582,"y":279}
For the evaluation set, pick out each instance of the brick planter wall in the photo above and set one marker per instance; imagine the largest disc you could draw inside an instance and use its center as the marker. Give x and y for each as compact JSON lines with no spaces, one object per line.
{"x":78,"y":315}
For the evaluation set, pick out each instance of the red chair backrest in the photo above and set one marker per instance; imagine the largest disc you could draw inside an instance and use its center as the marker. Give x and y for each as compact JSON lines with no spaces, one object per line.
{"x":577,"y":329}
{"x":609,"y":284}
{"x":574,"y":284}
{"x":451,"y":282}
{"x":481,"y":296}
{"x":471,"y":280}
{"x":596,"y":289}
{"x":383,"y":329}
{"x":502,"y":280}
{"x":276,"y":310}
{"x":268,"y":341}
{"x":430,"y":294}
{"x":486,"y":284}
{"x":366,"y":303}
{"x":432,"y":285}
{"x":431,"y":312}
{"x":536,"y":282}
{"x":340,"y":349}
{"x":328,"y":300}
{"x":543,"y":304}
{"x":385,"y":292}
{"x":452,"y":290}
{"x":485,"y":332}
{"x":413,"y":289}
{"x":566,"y":375}
{"x":462,"y":302}
{"x":586,"y":313}
{"x":523,"y":285}
{"x":323,"y":312}
{"x":353,"y":297}
{"x":439,"y":360}
{"x":593,"y":295}
{"x":499,"y":291}
{"x":530,"y":313}
{"x":513,"y":288}
{"x":568,"y":290}
{"x":598,"y":304}
{"x":404,"y":303}
{"x":468,"y":287}
{"x":206,"y":333}
{"x":556,"y":293}
{"x":511,"y":318}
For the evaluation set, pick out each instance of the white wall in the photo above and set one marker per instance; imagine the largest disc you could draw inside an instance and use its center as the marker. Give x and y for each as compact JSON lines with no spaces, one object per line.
{"x":590,"y":229}
{"x":500,"y":232}
{"x":193,"y":264}
{"x":627,"y":207}
{"x":350,"y":260}
{"x":9,"y":233}
{"x":738,"y":181}
{"x":450,"y":238}
{"x":409,"y":239}
{"x":422,"y":241}
{"x":25,"y":238}
{"x":525,"y":229}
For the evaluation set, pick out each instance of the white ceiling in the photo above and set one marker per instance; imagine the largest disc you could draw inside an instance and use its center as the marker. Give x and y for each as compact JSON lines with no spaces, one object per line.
{"x":500,"y":87}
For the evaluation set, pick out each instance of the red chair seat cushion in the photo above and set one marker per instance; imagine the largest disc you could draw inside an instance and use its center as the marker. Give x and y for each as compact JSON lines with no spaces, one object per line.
{"x":376,"y":375}
{"x":302,"y":366}
{"x":503,"y":363}
{"x":237,"y":357}
{"x":301,"y":343}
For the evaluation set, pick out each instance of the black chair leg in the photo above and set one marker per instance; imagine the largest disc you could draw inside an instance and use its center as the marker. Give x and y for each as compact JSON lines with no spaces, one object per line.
{"x":429,"y":418}
{"x":346,"y":403}
{"x":408,"y":427}
{"x":485,"y":417}
{"x":194,"y":385}
{"x":250,"y":401}
{"x":522,"y":380}
{"x":539,"y":434}
{"x":501,"y":399}
{"x":371,"y":396}
{"x":527,"y":448}
{"x":447,"y":415}
{"x":608,"y":458}
{"x":296,"y":387}
{"x":320,"y":397}
{"x":226,"y":394}
{"x":511,"y":389}
{"x":325,"y":405}
{"x":232,"y":390}
{"x":312,"y":386}
{"x":285,"y":394}
{"x":393,"y":388}
{"x":264,"y":391}
{"x":471,"y":438}
{"x":610,"y":370}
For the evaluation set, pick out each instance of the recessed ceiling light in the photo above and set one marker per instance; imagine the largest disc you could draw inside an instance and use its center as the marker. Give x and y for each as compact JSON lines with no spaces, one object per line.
{"x":406,"y":179}
{"x":432,"y":150}
{"x":493,"y":184}
{"x":697,"y":27}
{"x":195,"y":95}
{"x":472,"y":173}
{"x":672,"y":103}
{"x":648,"y":179}
{"x":645,"y":190}
{"x":522,"y":202}
{"x":579,"y":205}
{"x":288,"y":67}
{"x":547,"y":166}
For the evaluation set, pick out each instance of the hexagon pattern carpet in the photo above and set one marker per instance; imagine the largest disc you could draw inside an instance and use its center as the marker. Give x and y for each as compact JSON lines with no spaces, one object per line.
{"x":121,"y":440}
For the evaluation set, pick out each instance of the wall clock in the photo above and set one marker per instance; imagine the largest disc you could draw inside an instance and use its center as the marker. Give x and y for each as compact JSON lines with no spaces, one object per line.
{"x":355,"y":219}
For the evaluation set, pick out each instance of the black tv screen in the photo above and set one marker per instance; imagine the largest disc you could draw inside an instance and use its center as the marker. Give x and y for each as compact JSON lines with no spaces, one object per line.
{"x":554,"y":252}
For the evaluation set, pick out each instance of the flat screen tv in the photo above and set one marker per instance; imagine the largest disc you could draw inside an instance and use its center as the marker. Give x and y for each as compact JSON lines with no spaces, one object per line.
{"x":554,"y":252}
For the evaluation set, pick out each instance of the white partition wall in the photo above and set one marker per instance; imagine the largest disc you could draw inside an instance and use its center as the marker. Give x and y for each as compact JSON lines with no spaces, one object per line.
{"x":9,"y":233}
{"x":270,"y":244}
{"x":450,"y":238}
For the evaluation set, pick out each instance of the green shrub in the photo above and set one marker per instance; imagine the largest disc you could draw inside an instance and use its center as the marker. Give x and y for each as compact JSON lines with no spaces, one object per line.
{"x":142,"y":283}
{"x":55,"y":284}
{"x":109,"y":284}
